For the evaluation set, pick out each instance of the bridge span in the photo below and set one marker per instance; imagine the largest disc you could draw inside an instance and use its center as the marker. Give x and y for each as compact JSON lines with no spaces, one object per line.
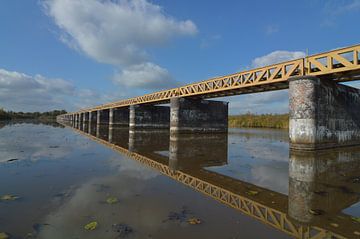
{"x":323,"y":112}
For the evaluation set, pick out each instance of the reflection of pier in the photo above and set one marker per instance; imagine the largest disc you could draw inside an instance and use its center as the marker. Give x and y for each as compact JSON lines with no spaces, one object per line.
{"x":323,"y":182}
{"x":189,"y":151}
{"x":311,"y":191}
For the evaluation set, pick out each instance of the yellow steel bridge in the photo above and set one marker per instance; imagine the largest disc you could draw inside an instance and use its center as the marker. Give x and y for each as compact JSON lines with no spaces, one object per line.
{"x":339,"y":65}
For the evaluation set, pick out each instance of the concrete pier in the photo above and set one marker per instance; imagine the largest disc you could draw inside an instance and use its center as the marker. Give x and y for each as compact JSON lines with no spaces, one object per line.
{"x":81,"y":120}
{"x":323,"y":114}
{"x":102,"y":117}
{"x":85,"y":121}
{"x":119,"y":117}
{"x":149,"y":117}
{"x":194,"y":116}
{"x":92,"y":120}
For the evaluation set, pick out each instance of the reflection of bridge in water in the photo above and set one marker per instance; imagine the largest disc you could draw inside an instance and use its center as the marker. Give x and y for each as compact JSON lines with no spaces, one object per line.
{"x":321,"y":184}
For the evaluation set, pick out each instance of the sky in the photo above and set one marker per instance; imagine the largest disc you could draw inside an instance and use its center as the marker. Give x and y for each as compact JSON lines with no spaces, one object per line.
{"x":70,"y":54}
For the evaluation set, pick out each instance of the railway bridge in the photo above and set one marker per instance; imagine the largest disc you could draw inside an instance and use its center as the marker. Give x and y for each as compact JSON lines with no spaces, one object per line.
{"x":323,"y":112}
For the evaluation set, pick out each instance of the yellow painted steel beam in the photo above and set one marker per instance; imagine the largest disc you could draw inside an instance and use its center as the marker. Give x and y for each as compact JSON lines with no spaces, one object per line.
{"x":340,"y":64}
{"x":269,"y":214}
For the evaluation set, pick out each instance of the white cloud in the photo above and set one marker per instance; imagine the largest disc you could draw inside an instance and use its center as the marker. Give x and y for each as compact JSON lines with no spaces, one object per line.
{"x":22,"y":92}
{"x":19,"y":91}
{"x":119,"y":32}
{"x":336,"y":7}
{"x":271,"y":29}
{"x":277,"y":57}
{"x":266,"y":102}
{"x":332,"y":9}
{"x":147,"y":75}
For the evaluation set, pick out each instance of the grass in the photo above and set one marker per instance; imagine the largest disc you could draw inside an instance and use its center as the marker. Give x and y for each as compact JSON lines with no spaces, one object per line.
{"x":278,"y":121}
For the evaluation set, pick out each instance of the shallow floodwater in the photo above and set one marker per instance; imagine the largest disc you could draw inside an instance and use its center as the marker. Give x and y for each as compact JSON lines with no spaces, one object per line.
{"x":148,"y":184}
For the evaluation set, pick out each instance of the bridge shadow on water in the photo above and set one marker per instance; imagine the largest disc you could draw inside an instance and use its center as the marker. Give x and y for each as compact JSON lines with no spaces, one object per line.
{"x":314,"y":197}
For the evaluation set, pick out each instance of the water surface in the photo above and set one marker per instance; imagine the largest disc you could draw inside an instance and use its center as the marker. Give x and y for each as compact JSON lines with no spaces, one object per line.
{"x":245,"y":184}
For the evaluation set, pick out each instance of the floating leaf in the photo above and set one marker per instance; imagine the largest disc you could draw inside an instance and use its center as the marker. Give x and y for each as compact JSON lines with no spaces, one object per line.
{"x":356,"y":219}
{"x":112,"y":200}
{"x":9,"y":197}
{"x":334,"y":224}
{"x":3,"y":235}
{"x":252,"y":192}
{"x":91,"y":226}
{"x":194,"y":221}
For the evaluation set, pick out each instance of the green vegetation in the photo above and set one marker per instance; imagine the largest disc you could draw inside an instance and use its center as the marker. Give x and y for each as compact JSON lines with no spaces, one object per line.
{"x":10,"y":115}
{"x":279,"y":121}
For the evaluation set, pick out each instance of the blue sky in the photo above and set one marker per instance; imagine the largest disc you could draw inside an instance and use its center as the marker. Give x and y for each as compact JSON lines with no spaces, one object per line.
{"x":76,"y":53}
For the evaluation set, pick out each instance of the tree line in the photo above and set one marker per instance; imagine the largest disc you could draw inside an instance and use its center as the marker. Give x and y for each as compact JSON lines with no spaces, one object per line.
{"x":11,"y":115}
{"x":279,"y":121}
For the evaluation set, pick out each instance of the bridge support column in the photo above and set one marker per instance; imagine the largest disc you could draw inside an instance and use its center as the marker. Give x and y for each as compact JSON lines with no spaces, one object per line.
{"x":77,"y":121}
{"x":149,"y":117}
{"x":81,"y":120}
{"x":119,"y":116}
{"x":92,"y":120}
{"x":323,"y":114}
{"x":102,"y":117}
{"x":85,"y":120}
{"x":198,"y":116}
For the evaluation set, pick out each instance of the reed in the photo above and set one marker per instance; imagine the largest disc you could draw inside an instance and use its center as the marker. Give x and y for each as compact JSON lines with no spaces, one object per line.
{"x":278,"y":121}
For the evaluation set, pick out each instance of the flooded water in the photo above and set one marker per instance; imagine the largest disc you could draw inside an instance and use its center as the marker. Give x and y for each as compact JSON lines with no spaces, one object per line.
{"x":61,"y":182}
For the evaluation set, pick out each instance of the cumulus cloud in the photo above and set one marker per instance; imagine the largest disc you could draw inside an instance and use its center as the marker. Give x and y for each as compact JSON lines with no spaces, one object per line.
{"x":147,"y":75}
{"x":259,"y":103}
{"x":267,"y":102}
{"x":119,"y":33}
{"x":22,"y":92}
{"x":19,"y":91}
{"x":277,"y":57}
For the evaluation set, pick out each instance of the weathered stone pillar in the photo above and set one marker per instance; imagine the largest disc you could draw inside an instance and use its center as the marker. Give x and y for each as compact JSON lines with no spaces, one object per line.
{"x":198,"y":116}
{"x":92,"y":120}
{"x":85,"y":121}
{"x":102,"y":117}
{"x":149,"y":117}
{"x":323,"y":114}
{"x":73,"y":120}
{"x":119,"y":116}
{"x":81,"y":119}
{"x":111,"y":116}
{"x":78,"y":121}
